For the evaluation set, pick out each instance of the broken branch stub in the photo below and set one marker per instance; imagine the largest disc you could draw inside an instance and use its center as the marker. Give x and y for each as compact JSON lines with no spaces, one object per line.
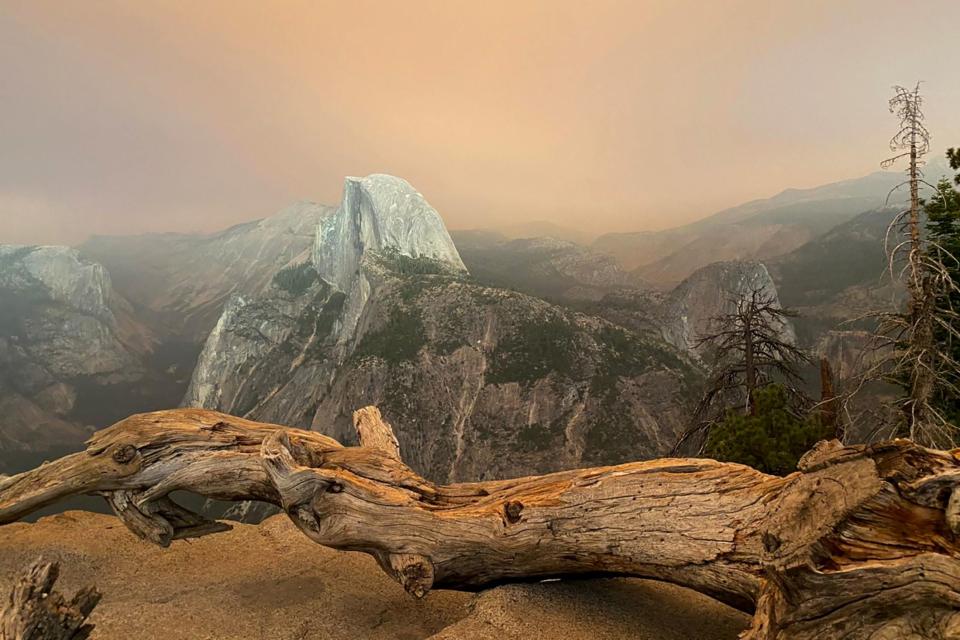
{"x":34,"y":611}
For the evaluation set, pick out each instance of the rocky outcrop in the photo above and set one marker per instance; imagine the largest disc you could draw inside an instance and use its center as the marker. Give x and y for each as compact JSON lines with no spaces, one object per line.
{"x":682,"y":316}
{"x":260,"y":345}
{"x":60,"y":308}
{"x":483,"y":383}
{"x":302,"y":325}
{"x":379,"y":215}
{"x":63,"y":333}
{"x":688,"y":311}
{"x":376,"y":213}
{"x":478,"y":381}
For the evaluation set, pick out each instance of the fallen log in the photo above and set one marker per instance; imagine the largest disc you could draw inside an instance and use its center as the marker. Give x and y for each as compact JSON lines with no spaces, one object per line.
{"x":34,"y":611}
{"x":861,"y":542}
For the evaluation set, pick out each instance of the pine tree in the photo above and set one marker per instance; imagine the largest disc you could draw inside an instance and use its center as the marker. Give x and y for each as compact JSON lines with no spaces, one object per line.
{"x":943,"y":230}
{"x":953,"y":157}
{"x":772,"y":438}
{"x":748,"y":353}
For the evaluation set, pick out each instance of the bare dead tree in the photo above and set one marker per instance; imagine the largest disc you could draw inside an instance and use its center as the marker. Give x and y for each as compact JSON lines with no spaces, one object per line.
{"x":830,"y":405}
{"x":748,"y":353}
{"x":912,"y":356}
{"x":911,"y":141}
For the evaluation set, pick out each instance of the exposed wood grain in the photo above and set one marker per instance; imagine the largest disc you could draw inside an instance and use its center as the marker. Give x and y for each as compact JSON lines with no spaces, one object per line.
{"x":374,"y":432}
{"x":874,"y":523}
{"x":34,"y":611}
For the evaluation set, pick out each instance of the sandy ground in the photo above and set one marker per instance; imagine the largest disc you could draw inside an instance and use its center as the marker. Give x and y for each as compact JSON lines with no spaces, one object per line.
{"x":269,"y":581}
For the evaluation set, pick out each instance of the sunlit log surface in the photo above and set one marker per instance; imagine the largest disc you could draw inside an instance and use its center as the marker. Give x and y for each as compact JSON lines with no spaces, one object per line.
{"x":862,"y":542}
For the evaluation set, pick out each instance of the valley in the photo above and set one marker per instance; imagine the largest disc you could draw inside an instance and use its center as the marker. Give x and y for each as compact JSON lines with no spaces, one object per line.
{"x":493,"y":356}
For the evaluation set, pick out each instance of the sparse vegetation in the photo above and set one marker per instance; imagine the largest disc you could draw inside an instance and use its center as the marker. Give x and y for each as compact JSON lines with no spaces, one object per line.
{"x":534,"y":349}
{"x":625,"y":355}
{"x":408,"y":265}
{"x":612,"y":440}
{"x":322,"y":321}
{"x":398,"y":340}
{"x":535,"y":437}
{"x":916,"y":343}
{"x":296,"y":279}
{"x":413,"y":286}
{"x":748,"y":352}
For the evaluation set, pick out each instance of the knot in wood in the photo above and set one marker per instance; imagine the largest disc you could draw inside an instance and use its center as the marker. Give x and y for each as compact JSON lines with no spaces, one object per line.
{"x":125,"y":454}
{"x":512,"y":510}
{"x":414,"y":572}
{"x":771,"y":542}
{"x":335,"y":487}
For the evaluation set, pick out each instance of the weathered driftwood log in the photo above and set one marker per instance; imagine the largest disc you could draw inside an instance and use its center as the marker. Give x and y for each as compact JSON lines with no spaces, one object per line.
{"x":862,"y":542}
{"x":34,"y":611}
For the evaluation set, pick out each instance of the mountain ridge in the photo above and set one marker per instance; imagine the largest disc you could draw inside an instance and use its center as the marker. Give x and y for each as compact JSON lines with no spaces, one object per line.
{"x":528,"y":385}
{"x":760,"y":229}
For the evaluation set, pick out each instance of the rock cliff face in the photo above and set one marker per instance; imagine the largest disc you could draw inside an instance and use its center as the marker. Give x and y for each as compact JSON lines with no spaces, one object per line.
{"x":711,"y":291}
{"x":376,"y":213}
{"x":64,"y":333}
{"x":287,"y":338}
{"x":482,"y":382}
{"x":682,"y":316}
{"x":478,"y":382}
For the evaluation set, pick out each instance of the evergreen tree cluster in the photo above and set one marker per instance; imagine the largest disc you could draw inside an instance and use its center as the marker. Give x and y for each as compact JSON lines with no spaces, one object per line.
{"x":943,"y":229}
{"x":772,"y":438}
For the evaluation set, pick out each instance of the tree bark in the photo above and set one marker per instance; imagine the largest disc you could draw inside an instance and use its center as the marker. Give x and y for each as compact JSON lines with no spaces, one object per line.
{"x":830,"y":407}
{"x":862,"y":542}
{"x":34,"y":611}
{"x":749,"y":367}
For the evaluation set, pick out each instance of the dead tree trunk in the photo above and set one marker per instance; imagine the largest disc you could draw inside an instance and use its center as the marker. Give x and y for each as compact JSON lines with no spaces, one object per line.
{"x":34,"y":611}
{"x":829,"y":405}
{"x":863,"y":542}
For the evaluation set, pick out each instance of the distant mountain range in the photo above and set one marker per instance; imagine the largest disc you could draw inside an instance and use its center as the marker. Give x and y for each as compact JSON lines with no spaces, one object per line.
{"x":762,"y":229}
{"x":758,"y":230}
{"x":542,"y":266}
{"x":179,"y":282}
{"x":491,"y":355}
{"x":540,"y":229}
{"x":303,"y":317}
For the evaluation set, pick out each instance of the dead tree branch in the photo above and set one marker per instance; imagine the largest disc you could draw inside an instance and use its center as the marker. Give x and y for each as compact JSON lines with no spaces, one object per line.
{"x":748,"y":352}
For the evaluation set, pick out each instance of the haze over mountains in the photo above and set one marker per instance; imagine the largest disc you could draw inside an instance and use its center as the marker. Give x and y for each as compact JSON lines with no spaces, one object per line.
{"x":492,"y":355}
{"x":757,"y":230}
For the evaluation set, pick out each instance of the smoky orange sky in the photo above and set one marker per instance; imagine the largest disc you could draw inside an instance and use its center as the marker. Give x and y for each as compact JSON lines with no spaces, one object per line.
{"x":124,"y":117}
